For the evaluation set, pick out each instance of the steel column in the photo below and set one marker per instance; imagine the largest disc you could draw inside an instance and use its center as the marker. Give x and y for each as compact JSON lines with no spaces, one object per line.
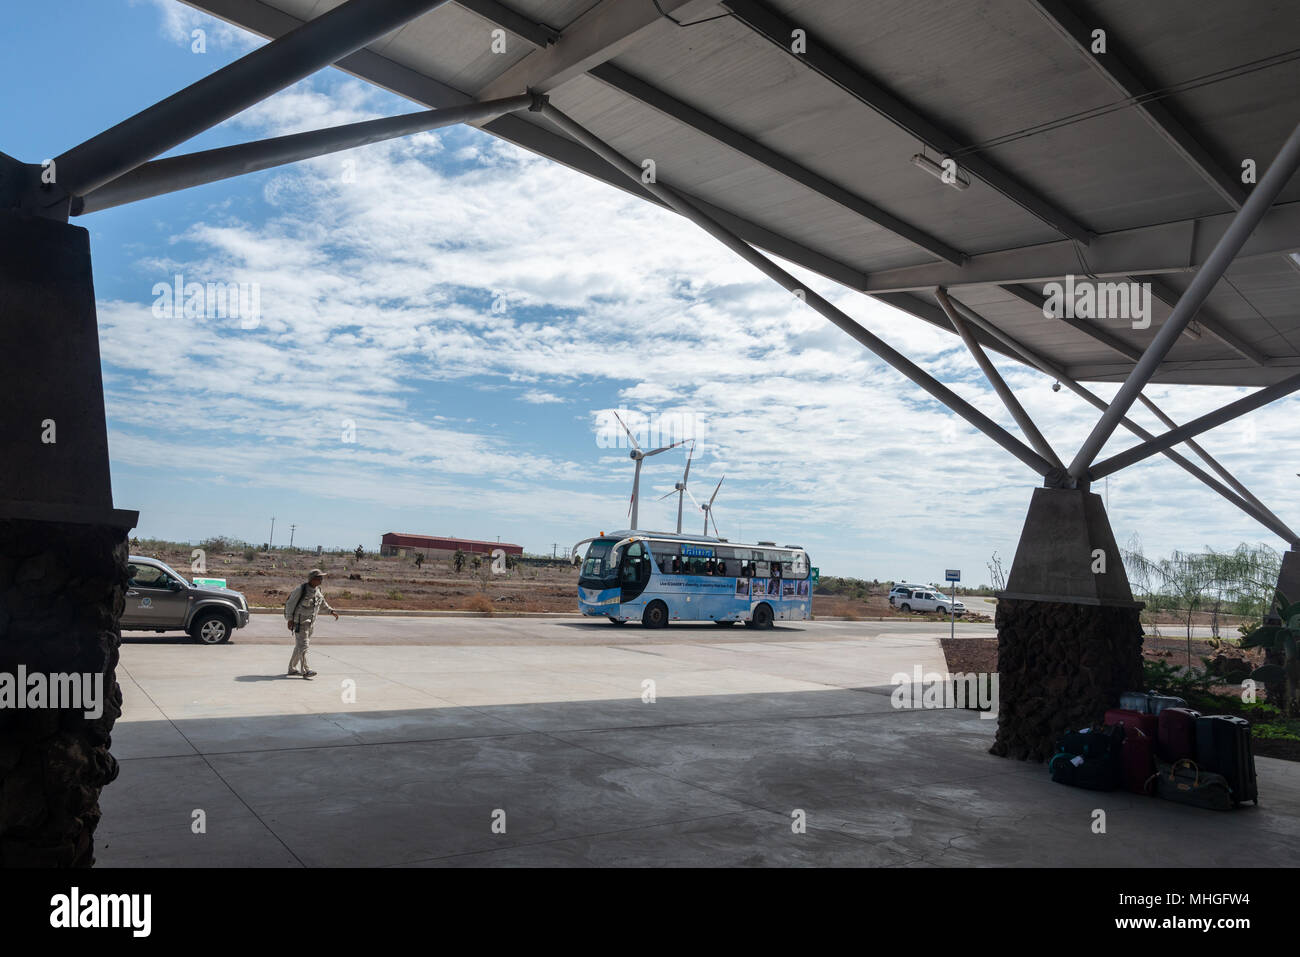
{"x":232,"y":89}
{"x":774,"y":272}
{"x":1210,"y":420}
{"x":1207,"y":458}
{"x":1261,"y":199}
{"x":195,"y":169}
{"x":1258,"y":512}
{"x":1000,"y":386}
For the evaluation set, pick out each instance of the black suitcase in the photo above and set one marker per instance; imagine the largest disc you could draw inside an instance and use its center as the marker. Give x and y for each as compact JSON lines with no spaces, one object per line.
{"x":1223,"y":747}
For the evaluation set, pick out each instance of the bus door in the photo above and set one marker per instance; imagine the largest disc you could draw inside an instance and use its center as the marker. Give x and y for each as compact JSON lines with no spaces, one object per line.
{"x":633,"y":571}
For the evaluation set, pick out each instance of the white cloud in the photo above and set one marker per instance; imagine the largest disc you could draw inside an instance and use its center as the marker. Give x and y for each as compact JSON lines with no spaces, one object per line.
{"x":375,"y":285}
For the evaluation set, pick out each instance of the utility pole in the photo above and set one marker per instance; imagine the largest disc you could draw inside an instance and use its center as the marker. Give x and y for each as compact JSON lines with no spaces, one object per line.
{"x":291,"y":528}
{"x":270,"y":542}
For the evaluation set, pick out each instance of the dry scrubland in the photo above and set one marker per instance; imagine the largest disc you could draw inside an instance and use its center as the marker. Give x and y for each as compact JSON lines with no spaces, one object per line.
{"x":375,"y":583}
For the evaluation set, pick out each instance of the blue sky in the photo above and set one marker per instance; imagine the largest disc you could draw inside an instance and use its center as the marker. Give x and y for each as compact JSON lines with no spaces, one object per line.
{"x":472,"y":311}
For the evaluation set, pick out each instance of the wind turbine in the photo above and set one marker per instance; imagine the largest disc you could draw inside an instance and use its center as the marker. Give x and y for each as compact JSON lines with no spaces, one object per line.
{"x":708,"y":508}
{"x":680,"y":488}
{"x":637,"y":456}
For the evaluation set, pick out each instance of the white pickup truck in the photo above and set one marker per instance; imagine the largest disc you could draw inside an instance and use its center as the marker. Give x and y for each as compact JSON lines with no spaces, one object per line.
{"x":927,"y":599}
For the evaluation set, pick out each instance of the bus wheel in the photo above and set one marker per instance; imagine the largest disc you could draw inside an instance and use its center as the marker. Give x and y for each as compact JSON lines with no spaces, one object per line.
{"x":656,"y":615}
{"x":763,"y":616}
{"x":617,"y":621}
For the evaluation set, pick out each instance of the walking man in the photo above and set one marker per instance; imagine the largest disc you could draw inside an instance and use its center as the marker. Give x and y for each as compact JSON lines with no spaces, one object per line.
{"x":300,"y":612}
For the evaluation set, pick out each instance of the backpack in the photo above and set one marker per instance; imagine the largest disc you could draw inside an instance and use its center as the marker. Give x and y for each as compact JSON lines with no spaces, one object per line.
{"x":1089,"y":759}
{"x":302,"y":592}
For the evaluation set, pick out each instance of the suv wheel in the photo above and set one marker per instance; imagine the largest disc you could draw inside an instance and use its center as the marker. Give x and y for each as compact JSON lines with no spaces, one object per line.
{"x":211,"y":628}
{"x":905,"y":607}
{"x":941,"y":610}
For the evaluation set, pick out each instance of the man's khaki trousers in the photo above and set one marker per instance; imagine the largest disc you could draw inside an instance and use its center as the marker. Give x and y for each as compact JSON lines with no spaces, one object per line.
{"x":301,"y":642}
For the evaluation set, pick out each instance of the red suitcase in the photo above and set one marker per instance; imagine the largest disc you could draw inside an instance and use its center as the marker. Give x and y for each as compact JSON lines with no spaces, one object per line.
{"x":1176,"y":738}
{"x":1139,"y":760}
{"x":1148,"y":723}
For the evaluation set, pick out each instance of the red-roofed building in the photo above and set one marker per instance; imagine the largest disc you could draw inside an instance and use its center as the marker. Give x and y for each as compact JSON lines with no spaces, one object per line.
{"x":401,"y":544}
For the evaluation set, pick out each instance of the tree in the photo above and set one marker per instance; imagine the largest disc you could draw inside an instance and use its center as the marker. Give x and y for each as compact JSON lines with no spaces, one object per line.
{"x":1189,"y":582}
{"x":995,"y":572}
{"x":458,"y":561}
{"x":359,"y":552}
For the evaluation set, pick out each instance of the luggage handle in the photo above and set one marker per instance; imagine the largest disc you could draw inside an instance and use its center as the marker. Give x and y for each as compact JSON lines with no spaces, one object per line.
{"x":1188,"y":762}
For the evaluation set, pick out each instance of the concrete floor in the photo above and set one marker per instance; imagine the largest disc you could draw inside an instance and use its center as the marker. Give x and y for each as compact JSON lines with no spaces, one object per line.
{"x":745,"y":730}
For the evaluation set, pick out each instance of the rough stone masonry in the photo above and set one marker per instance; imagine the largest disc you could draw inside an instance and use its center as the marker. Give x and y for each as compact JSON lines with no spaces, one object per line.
{"x":61,"y":592}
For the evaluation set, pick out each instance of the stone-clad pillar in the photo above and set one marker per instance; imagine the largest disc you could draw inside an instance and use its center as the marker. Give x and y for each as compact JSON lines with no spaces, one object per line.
{"x":62,"y":546}
{"x":1286,"y":593}
{"x":1069,"y":636}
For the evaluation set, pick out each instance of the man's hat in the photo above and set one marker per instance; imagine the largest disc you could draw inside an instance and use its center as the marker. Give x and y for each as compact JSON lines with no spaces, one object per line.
{"x":315,"y":573}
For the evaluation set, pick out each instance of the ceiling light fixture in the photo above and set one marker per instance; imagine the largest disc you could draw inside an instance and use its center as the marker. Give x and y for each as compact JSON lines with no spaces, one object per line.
{"x":947,"y":171}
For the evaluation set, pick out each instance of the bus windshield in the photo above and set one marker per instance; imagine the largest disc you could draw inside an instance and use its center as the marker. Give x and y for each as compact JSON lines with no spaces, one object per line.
{"x":596,"y":565}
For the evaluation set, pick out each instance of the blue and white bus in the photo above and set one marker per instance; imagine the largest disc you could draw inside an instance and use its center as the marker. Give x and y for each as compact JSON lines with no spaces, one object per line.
{"x":660,"y":577}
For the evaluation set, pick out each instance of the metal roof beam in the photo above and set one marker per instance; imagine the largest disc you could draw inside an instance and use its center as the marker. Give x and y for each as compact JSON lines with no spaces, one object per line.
{"x":538,"y":34}
{"x":209,"y":166}
{"x":1234,"y":237}
{"x":768,"y":23}
{"x":600,"y":34}
{"x":1107,"y":339}
{"x":1117,"y":67}
{"x":1249,"y":504}
{"x":1169,"y":297}
{"x":1208,"y":459}
{"x":1182,"y":246}
{"x":701,"y":122}
{"x":927,"y":311}
{"x":1035,"y":437}
{"x":374,"y":68}
{"x":1211,"y":420}
{"x":232,"y":89}
{"x":818,"y":303}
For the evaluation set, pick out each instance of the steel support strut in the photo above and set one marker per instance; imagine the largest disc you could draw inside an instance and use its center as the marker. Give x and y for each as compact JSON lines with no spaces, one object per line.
{"x":1251,"y":507}
{"x":774,"y":272}
{"x":232,"y":89}
{"x":1206,"y":457}
{"x":1195,"y":427}
{"x":999,"y":384}
{"x":1248,"y":217}
{"x":195,"y":169}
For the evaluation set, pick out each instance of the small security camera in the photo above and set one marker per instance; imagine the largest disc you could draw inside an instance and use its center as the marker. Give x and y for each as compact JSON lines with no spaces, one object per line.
{"x":1056,"y":387}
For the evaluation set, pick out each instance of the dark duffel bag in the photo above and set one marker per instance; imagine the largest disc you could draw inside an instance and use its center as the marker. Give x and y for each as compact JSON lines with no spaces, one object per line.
{"x":1185,"y":783}
{"x":1223,"y":746}
{"x":1176,"y":737}
{"x":1089,"y":759}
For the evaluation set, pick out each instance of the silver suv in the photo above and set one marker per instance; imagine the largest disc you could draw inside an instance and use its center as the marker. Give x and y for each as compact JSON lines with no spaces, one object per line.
{"x":159,"y":599}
